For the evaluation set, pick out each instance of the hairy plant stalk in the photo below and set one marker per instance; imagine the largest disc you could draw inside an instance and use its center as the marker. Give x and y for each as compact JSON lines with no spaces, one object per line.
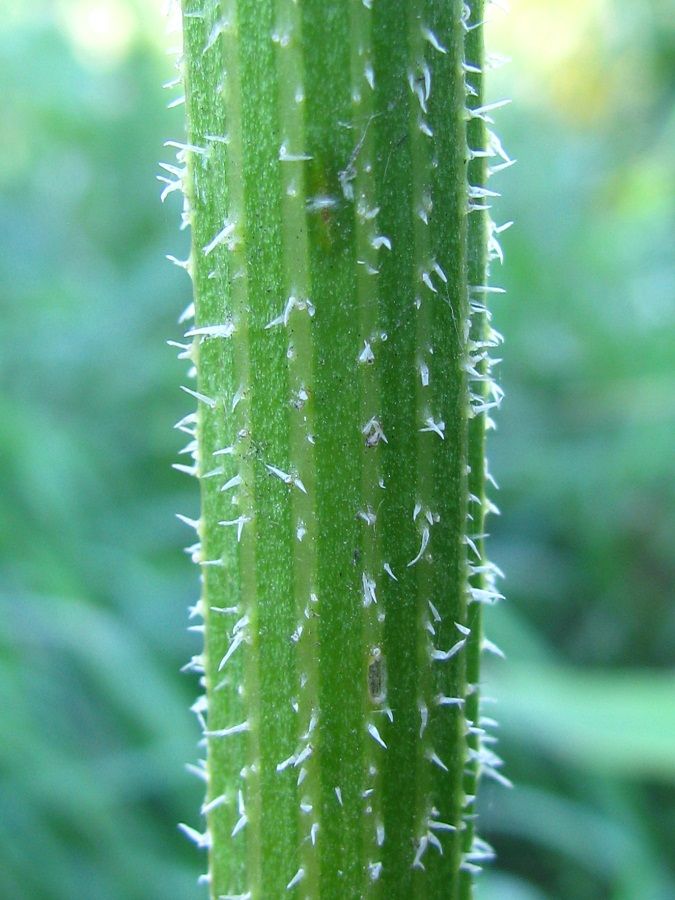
{"x":334,"y":175}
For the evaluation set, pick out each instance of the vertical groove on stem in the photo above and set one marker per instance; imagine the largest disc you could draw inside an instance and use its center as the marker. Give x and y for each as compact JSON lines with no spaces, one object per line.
{"x":358,"y":185}
{"x":423,"y":514}
{"x":295,"y":317}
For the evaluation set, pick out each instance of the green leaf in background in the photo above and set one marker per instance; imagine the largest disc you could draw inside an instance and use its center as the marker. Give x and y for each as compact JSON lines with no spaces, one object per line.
{"x":616,"y":723}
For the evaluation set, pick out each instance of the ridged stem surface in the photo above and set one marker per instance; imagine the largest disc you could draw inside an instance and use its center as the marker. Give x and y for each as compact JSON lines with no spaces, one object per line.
{"x":333,"y":172}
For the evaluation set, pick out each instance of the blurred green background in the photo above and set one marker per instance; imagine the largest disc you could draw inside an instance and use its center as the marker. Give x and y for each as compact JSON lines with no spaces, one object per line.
{"x":95,"y":726}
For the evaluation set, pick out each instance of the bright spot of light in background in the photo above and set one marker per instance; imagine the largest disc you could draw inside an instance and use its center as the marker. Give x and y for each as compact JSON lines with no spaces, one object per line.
{"x":100,"y":31}
{"x":560,"y":54}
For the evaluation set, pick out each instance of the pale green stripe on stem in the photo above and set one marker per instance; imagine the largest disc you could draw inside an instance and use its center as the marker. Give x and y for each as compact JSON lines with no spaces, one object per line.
{"x":294,"y":319}
{"x":359,"y":186}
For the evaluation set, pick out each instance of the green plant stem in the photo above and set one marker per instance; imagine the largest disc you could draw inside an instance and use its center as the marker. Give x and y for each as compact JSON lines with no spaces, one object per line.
{"x":335,"y":264}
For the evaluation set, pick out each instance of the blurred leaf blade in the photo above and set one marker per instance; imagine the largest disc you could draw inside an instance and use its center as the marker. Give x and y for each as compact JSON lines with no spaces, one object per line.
{"x":620,"y":723}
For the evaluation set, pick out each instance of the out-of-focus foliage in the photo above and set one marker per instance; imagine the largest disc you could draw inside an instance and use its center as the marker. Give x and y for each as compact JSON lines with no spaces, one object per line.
{"x":94,"y":589}
{"x":94,"y":714}
{"x":584,"y":454}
